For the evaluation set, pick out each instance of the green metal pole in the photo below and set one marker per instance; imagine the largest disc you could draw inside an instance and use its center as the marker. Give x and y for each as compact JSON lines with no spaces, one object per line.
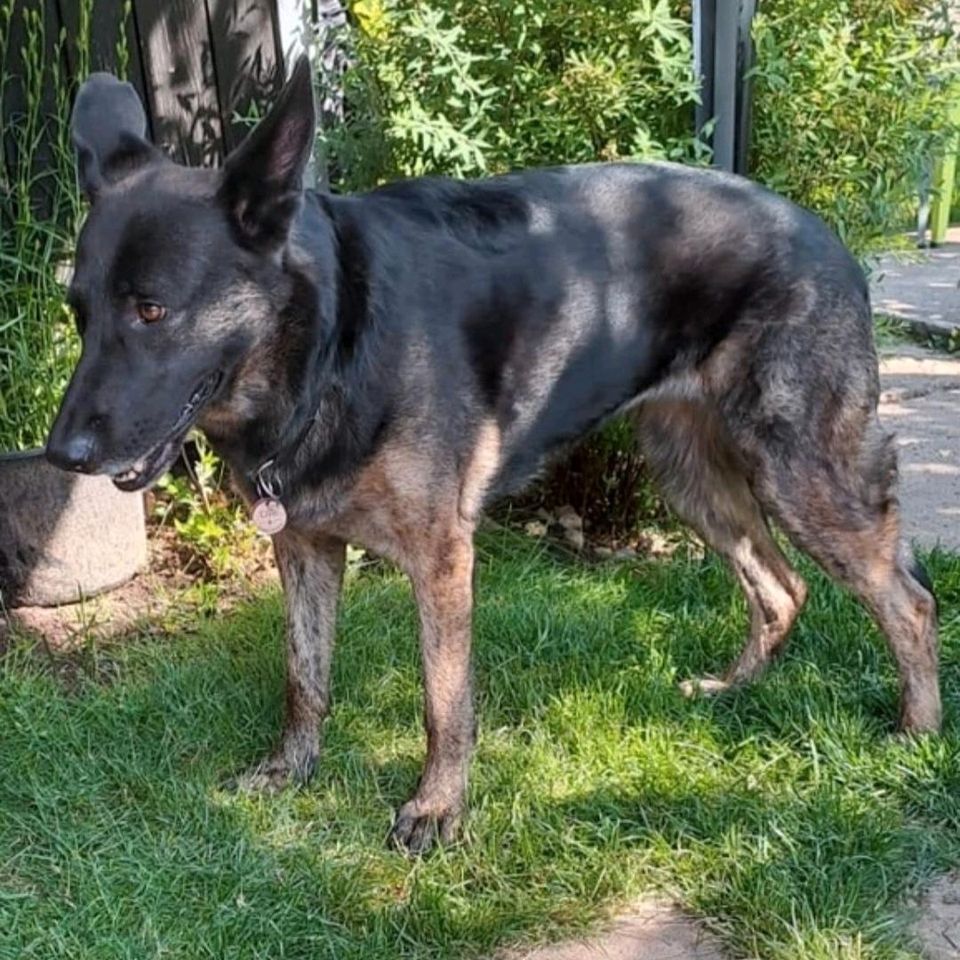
{"x":943,"y":177}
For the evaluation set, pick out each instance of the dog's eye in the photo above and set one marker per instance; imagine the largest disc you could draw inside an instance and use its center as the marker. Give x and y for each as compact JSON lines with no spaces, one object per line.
{"x":150,"y":312}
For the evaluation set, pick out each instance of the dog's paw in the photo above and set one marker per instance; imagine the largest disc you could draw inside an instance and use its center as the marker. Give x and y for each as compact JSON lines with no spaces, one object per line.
{"x":416,"y":829}
{"x":704,"y":687}
{"x":273,"y":775}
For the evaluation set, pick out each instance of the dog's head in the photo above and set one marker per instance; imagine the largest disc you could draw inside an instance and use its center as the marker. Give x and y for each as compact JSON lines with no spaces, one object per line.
{"x":176,"y":274}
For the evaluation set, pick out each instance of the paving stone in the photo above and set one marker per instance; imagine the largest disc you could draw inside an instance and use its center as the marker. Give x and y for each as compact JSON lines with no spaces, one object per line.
{"x":938,"y":924}
{"x":921,"y":287}
{"x":920,"y":402}
{"x":653,"y":930}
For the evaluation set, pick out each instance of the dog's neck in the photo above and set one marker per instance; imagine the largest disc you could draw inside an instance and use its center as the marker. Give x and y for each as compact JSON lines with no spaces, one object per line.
{"x":315,"y":425}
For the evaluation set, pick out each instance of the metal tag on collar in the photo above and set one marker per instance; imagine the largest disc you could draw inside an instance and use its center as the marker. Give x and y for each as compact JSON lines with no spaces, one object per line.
{"x":268,"y":514}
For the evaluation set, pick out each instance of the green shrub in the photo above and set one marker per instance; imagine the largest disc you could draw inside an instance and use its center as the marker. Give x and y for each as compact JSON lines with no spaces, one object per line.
{"x":456,"y":87}
{"x":849,"y":103}
{"x":207,"y":517}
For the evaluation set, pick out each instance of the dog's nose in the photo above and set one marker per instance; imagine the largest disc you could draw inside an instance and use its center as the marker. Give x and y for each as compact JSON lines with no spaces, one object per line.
{"x":77,"y":452}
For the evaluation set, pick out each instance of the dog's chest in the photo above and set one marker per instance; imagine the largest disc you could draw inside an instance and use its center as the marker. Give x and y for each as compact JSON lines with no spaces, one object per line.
{"x":393,"y":507}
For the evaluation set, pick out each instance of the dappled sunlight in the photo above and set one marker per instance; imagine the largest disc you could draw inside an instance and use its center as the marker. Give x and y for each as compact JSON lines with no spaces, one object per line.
{"x":940,"y":469}
{"x":922,"y":287}
{"x":594,"y":780}
{"x":919,"y":403}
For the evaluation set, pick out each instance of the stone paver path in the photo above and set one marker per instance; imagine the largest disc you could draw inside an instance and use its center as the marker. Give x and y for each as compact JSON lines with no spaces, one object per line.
{"x":921,"y":286}
{"x":652,"y":930}
{"x":920,"y":402}
{"x":938,"y":926}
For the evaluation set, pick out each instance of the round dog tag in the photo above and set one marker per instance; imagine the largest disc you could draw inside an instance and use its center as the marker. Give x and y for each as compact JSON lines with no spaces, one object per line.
{"x":269,"y":516}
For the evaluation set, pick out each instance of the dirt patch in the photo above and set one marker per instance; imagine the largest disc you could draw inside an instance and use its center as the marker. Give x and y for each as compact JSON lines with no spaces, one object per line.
{"x":653,"y":930}
{"x":170,"y":591}
{"x":938,"y":928}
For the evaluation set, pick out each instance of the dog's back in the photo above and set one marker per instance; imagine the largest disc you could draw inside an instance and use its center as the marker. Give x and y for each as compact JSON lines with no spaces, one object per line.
{"x":565,"y":294}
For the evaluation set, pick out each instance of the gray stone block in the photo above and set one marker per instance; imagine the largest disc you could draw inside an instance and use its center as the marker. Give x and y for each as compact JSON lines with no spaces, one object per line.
{"x":64,"y":535}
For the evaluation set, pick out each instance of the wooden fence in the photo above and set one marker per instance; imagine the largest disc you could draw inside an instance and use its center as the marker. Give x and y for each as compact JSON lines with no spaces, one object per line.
{"x":197,"y":64}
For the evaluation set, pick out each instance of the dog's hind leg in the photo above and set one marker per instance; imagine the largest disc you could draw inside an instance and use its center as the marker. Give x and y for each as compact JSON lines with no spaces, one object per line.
{"x":691,"y":456}
{"x":840,"y":507}
{"x":799,"y":399}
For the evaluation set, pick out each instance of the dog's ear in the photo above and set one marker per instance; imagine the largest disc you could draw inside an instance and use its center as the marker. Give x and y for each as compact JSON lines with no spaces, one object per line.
{"x":263,"y":178}
{"x":109,"y":129}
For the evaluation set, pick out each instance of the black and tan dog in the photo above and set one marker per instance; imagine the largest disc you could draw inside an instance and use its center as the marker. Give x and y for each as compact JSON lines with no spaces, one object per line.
{"x":380,"y":367}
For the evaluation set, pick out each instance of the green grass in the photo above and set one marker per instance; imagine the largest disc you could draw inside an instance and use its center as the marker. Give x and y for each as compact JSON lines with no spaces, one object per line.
{"x":40,"y":209}
{"x":786,"y":813}
{"x":891,"y":331}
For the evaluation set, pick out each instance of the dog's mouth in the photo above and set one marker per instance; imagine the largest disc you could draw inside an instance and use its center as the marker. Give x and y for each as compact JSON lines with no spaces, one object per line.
{"x":146,"y":470}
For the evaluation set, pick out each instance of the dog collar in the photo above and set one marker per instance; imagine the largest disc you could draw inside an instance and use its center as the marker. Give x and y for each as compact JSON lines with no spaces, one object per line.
{"x":268,"y":513}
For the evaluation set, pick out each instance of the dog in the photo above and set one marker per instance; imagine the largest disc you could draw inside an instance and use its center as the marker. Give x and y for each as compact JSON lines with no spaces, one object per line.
{"x":376,"y":369}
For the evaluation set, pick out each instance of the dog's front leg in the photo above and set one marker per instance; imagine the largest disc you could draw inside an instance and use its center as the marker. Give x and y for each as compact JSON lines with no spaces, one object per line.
{"x":443,"y":584}
{"x":311,"y":569}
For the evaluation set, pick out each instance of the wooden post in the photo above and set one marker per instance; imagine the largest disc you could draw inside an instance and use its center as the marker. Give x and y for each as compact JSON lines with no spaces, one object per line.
{"x":248,"y":69}
{"x":180,"y":79}
{"x":725,"y":83}
{"x":745,"y":58}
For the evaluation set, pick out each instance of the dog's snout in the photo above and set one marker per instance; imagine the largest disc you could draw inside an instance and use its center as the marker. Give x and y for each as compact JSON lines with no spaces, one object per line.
{"x":77,"y":452}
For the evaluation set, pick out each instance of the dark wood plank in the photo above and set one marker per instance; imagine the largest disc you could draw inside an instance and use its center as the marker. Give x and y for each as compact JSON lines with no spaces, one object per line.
{"x":47,"y":163}
{"x":249,"y":67}
{"x":13,"y":103}
{"x":177,"y":53}
{"x":30,"y":100}
{"x":704,"y":30}
{"x":109,"y":21}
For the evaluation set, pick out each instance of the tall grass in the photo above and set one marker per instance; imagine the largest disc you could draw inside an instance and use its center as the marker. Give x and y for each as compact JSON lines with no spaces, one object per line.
{"x":40,"y":207}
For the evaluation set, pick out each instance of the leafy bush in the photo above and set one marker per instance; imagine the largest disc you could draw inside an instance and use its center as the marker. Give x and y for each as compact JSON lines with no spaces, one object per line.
{"x":456,"y":87}
{"x":209,"y":521}
{"x":849,"y":104}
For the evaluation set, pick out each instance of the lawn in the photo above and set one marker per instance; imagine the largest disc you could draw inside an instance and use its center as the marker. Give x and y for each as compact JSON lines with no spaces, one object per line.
{"x":786,"y":813}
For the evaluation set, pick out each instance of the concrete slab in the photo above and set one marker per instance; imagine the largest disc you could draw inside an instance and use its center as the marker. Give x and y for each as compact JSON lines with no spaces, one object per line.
{"x":938,"y":925}
{"x":653,"y":930}
{"x":921,"y":403}
{"x":921,"y":287}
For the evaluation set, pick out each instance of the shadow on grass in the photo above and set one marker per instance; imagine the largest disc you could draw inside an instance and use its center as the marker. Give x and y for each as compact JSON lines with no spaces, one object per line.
{"x":785,"y":813}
